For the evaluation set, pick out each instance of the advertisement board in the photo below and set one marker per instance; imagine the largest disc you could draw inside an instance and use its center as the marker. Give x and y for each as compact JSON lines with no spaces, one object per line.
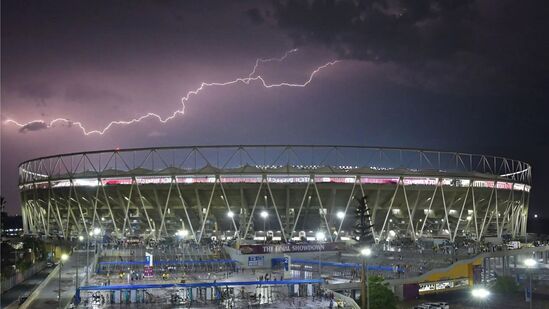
{"x":289,"y":248}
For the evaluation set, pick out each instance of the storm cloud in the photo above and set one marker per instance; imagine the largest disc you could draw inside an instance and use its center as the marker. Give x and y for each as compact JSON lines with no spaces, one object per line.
{"x":446,"y":43}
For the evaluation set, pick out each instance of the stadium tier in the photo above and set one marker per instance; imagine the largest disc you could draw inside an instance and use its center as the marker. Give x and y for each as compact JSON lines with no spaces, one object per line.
{"x":286,"y":192}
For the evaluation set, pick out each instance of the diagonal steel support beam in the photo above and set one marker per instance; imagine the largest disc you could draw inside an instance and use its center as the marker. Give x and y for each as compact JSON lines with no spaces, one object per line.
{"x":346,"y":208}
{"x":127,"y":208}
{"x":483,"y":226}
{"x":186,"y":212}
{"x":429,"y":209}
{"x":79,"y":207}
{"x":474,"y":210}
{"x":460,"y":214}
{"x":207,"y":212}
{"x":276,"y":209}
{"x":323,"y":211}
{"x":388,"y":212}
{"x":301,"y":206}
{"x":409,"y":211}
{"x":446,"y":212}
{"x":162,"y":222}
{"x":117,"y":230}
{"x":225,"y":199}
{"x":253,"y":209}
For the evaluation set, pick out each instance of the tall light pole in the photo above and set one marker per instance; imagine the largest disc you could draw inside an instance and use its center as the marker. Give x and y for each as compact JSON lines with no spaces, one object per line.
{"x":264,"y":214}
{"x":88,"y":256}
{"x":96,"y":231}
{"x":231,"y":215}
{"x":80,"y":239}
{"x":530,"y":264}
{"x":365,"y":286}
{"x":64,"y":257}
{"x":319,"y":237}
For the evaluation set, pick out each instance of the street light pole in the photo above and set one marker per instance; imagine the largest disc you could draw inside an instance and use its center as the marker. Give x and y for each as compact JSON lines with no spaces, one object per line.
{"x":88,"y":257}
{"x":64,"y":257}
{"x":76,"y":282}
{"x":80,"y":239}
{"x":264,"y":214}
{"x":365,"y":286}
{"x":531,"y":292}
{"x":530,"y":263}
{"x":59,"y":287}
{"x":319,"y":237}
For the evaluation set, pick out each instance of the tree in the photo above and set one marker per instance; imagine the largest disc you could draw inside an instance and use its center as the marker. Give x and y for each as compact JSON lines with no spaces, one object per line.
{"x":3,"y":203}
{"x":506,"y":284}
{"x":363,"y":227}
{"x":381,"y":297}
{"x":3,"y":214}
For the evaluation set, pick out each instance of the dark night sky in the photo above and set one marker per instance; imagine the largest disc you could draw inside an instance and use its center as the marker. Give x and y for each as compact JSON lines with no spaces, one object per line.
{"x":460,"y":75}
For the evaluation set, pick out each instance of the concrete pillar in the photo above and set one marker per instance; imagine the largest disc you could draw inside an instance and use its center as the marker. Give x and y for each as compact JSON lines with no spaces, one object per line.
{"x":515,"y":262}
{"x":545,"y":254}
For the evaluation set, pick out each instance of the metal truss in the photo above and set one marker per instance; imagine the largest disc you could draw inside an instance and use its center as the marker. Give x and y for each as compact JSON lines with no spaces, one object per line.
{"x":156,"y":192}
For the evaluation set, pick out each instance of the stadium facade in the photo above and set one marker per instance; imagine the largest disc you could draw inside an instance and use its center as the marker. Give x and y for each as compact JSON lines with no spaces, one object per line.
{"x":287,"y":191}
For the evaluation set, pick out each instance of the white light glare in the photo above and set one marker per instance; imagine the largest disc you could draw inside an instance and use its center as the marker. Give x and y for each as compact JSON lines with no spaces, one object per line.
{"x":530,"y":263}
{"x":480,"y":293}
{"x":320,"y":235}
{"x":366,"y":252}
{"x":182,"y":233}
{"x":96,"y":231}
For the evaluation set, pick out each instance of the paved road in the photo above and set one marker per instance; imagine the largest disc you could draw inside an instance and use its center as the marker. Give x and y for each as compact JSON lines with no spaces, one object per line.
{"x":48,"y":295}
{"x":24,"y":287}
{"x":464,"y":300}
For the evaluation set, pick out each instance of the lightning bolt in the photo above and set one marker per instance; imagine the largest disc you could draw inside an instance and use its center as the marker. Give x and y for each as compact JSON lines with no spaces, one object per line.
{"x":252,"y":77}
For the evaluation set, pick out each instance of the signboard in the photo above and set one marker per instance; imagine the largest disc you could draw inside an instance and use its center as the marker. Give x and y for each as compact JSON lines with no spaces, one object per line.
{"x":148,"y":271}
{"x":256,"y":260}
{"x":149,"y":259}
{"x":289,"y":248}
{"x":287,"y":266}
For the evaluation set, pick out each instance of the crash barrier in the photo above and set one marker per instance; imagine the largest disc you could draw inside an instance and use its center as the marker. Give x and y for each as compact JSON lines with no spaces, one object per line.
{"x":200,"y":291}
{"x":187,"y":265}
{"x":280,"y":261}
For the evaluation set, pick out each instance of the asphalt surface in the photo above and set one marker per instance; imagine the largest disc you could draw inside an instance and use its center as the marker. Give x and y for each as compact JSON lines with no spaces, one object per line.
{"x":24,"y":288}
{"x":463,"y":299}
{"x":48,"y":295}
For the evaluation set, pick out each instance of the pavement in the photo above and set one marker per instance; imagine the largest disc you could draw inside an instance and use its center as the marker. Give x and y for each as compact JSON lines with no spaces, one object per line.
{"x":23,"y":288}
{"x":48,"y":294}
